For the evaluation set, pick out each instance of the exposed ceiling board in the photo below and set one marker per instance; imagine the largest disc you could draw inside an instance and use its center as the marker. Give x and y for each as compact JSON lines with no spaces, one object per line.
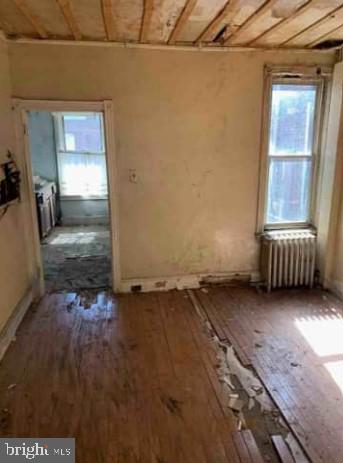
{"x":317,"y":31}
{"x":318,"y":10}
{"x":88,"y":14}
{"x":221,"y":23}
{"x":49,"y":14}
{"x":283,"y":22}
{"x":13,"y":21}
{"x":32,"y":18}
{"x":257,"y":23}
{"x":337,"y":34}
{"x":272,"y":16}
{"x":203,"y":13}
{"x":164,"y":17}
{"x":108,"y":16}
{"x":127,"y":19}
{"x":248,"y":8}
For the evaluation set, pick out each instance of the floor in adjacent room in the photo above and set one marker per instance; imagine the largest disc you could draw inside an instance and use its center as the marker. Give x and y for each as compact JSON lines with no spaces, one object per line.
{"x":153,"y":377}
{"x":77,"y":258}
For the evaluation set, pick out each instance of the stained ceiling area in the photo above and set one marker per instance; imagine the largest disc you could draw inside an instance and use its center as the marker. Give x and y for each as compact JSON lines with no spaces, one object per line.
{"x":216,"y":23}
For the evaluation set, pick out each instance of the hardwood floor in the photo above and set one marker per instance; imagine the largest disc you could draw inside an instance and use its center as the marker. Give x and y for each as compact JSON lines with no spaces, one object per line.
{"x":294,"y":341}
{"x":133,"y":379}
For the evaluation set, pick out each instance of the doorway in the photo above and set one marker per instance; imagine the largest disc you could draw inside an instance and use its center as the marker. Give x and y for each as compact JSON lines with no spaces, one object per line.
{"x":69,"y":171}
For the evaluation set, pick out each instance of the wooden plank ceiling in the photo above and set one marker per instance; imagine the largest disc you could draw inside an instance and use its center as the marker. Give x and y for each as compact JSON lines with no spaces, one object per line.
{"x":217,"y":23}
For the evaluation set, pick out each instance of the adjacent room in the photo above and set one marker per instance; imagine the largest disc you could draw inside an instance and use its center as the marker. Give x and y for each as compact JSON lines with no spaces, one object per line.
{"x":171,"y":231}
{"x":68,"y":161}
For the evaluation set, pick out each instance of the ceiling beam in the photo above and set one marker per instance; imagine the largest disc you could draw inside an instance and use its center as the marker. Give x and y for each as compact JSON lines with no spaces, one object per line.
{"x":181,"y":22}
{"x":283,"y":22}
{"x":313,"y":26}
{"x":146,"y":19}
{"x":253,"y":18}
{"x":32,"y":18}
{"x":226,"y":13}
{"x":107,"y":13}
{"x":324,"y":36}
{"x":69,"y":17}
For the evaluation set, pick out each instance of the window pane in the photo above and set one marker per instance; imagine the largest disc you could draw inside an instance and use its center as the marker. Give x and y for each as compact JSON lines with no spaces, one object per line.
{"x":288,"y":191}
{"x":82,"y":174}
{"x":292,"y":119}
{"x":82,"y":132}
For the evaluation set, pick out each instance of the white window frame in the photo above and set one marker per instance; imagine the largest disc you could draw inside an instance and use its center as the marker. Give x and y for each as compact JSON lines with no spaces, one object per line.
{"x":61,"y":148}
{"x":294,"y":77}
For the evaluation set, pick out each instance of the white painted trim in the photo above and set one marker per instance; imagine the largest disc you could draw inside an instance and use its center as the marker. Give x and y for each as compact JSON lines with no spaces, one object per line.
{"x":58,"y":105}
{"x":192,"y":281}
{"x":21,"y":107}
{"x":302,"y":74}
{"x":331,"y":184}
{"x":8,"y":332}
{"x":113,"y":190}
{"x":166,"y":47}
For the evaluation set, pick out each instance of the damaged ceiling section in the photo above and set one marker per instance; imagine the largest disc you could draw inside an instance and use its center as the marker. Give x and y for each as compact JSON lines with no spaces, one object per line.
{"x":215,"y":23}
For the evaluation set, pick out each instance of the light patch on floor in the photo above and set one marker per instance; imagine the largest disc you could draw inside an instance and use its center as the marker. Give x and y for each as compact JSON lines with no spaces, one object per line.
{"x":74,"y":238}
{"x":324,"y":334}
{"x":77,"y":258}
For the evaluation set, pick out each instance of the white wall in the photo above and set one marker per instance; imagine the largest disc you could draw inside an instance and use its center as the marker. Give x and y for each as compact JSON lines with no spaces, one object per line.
{"x":188,"y":123}
{"x":14,"y":271}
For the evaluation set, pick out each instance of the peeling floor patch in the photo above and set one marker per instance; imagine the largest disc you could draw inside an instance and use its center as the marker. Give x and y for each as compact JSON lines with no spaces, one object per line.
{"x":248,"y":398}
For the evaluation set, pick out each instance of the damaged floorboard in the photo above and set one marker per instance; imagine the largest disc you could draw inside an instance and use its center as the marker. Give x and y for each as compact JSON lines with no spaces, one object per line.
{"x":294,"y":341}
{"x":132,"y":378}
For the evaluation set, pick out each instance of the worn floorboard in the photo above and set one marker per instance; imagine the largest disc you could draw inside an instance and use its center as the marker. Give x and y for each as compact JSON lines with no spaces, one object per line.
{"x":133,"y":379}
{"x":294,"y":340}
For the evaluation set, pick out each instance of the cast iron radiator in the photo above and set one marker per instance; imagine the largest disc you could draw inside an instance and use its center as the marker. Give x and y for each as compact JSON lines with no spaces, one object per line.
{"x":288,"y":258}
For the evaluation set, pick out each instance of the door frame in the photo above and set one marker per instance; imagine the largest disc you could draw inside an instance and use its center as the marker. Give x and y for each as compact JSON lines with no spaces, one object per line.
{"x":21,"y":107}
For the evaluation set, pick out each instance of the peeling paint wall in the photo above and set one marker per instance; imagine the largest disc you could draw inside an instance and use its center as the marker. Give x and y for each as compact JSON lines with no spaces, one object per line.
{"x":14,"y":273}
{"x":188,"y":124}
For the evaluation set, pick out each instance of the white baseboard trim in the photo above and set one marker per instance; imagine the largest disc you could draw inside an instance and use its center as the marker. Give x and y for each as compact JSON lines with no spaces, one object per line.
{"x":192,"y":281}
{"x":8,"y":332}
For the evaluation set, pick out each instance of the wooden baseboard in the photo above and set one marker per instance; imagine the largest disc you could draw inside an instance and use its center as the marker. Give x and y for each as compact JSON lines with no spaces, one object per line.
{"x":193,"y":281}
{"x":8,"y":332}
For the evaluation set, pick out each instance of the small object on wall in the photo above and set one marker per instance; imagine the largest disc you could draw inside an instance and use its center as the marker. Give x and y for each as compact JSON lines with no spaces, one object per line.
{"x":9,"y":182}
{"x":133,"y":176}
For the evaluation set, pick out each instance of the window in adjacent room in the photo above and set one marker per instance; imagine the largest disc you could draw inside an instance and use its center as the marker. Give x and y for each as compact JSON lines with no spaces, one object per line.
{"x":292,"y":152}
{"x":81,"y":155}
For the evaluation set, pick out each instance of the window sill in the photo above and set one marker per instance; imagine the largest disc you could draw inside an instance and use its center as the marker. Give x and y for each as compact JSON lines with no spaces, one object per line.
{"x":286,"y":229}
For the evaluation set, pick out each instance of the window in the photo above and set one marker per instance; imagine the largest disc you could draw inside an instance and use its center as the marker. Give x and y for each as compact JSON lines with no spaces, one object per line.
{"x":81,"y":154}
{"x":291,"y":153}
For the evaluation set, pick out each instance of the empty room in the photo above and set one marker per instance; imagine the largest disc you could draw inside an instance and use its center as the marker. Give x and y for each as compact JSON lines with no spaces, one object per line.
{"x":171,"y":231}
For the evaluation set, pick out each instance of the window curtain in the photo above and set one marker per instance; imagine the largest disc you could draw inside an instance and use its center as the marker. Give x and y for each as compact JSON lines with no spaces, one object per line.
{"x":82,"y":174}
